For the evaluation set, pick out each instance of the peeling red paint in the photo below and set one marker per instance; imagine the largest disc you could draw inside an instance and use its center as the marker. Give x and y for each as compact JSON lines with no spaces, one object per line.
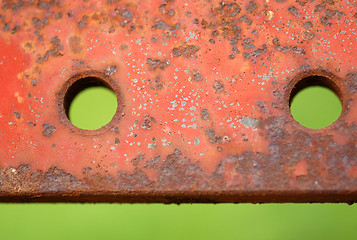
{"x":301,"y":169}
{"x":353,"y":171}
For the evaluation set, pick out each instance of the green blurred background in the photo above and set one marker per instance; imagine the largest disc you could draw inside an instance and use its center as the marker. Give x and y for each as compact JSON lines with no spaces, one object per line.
{"x":197,"y":221}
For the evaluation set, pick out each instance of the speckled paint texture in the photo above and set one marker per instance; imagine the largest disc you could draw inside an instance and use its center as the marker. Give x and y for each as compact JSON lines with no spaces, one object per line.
{"x":203,"y":93}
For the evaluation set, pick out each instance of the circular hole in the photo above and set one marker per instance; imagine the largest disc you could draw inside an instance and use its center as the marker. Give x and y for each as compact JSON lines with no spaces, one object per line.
{"x":315,"y":102}
{"x":90,"y":103}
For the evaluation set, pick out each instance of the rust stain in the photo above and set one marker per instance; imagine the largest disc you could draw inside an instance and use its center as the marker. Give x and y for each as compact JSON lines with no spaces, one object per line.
{"x":75,"y":44}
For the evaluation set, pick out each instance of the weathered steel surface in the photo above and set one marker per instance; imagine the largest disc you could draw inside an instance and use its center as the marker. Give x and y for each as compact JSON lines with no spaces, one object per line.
{"x":203,"y":91}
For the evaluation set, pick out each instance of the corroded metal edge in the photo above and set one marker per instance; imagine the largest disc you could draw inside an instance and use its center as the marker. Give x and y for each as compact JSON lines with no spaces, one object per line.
{"x":179,"y":197}
{"x":179,"y":183}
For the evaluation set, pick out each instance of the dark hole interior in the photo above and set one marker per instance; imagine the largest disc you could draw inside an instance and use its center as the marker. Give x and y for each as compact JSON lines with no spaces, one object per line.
{"x":79,"y":86}
{"x":314,"y":80}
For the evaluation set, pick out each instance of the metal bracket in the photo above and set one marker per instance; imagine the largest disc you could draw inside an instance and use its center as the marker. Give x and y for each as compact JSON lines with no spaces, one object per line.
{"x":203,"y":91}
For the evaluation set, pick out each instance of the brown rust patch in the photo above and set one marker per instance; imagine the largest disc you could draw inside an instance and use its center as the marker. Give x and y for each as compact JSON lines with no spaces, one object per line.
{"x":351,"y":82}
{"x":157,"y":64}
{"x":76,"y":44}
{"x":48,"y":129}
{"x":205,"y":114}
{"x":28,"y":46}
{"x":24,"y":181}
{"x":148,"y":120}
{"x":55,"y":50}
{"x":185,"y":51}
{"x":237,"y":178}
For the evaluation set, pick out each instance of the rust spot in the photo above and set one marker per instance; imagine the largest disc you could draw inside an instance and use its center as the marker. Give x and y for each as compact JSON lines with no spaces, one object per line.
{"x":308,"y":25}
{"x":75,"y":44}
{"x":83,"y":22}
{"x":38,"y":23}
{"x":329,"y":14}
{"x":156,"y":63}
{"x":48,"y":129}
{"x":185,"y":50}
{"x":251,"y":7}
{"x":218,"y":86}
{"x":293,"y":10}
{"x":351,"y":82}
{"x":54,"y":51}
{"x":308,"y":35}
{"x":156,"y":84}
{"x":197,"y":75}
{"x":213,"y":137}
{"x":138,"y":159}
{"x":147,"y":122}
{"x":109,"y":71}
{"x":28,"y":46}
{"x":17,"y":114}
{"x":205,"y":114}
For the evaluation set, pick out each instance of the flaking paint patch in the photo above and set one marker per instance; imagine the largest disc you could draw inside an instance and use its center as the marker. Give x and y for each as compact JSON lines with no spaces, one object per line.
{"x":249,"y":122}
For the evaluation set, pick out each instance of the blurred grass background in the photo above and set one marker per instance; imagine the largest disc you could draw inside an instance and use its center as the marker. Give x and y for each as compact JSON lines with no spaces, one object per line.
{"x":186,"y":221}
{"x":198,"y":221}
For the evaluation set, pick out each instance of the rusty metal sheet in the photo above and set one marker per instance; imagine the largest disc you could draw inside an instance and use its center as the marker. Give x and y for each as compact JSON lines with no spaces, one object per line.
{"x":203,"y":92}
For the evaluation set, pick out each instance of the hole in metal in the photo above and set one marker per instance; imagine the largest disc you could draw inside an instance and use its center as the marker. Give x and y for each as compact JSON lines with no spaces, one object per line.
{"x":90,"y":103}
{"x":315,"y":102}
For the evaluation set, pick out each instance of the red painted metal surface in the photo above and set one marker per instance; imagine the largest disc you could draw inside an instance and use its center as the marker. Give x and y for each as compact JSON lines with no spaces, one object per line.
{"x":203,"y":92}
